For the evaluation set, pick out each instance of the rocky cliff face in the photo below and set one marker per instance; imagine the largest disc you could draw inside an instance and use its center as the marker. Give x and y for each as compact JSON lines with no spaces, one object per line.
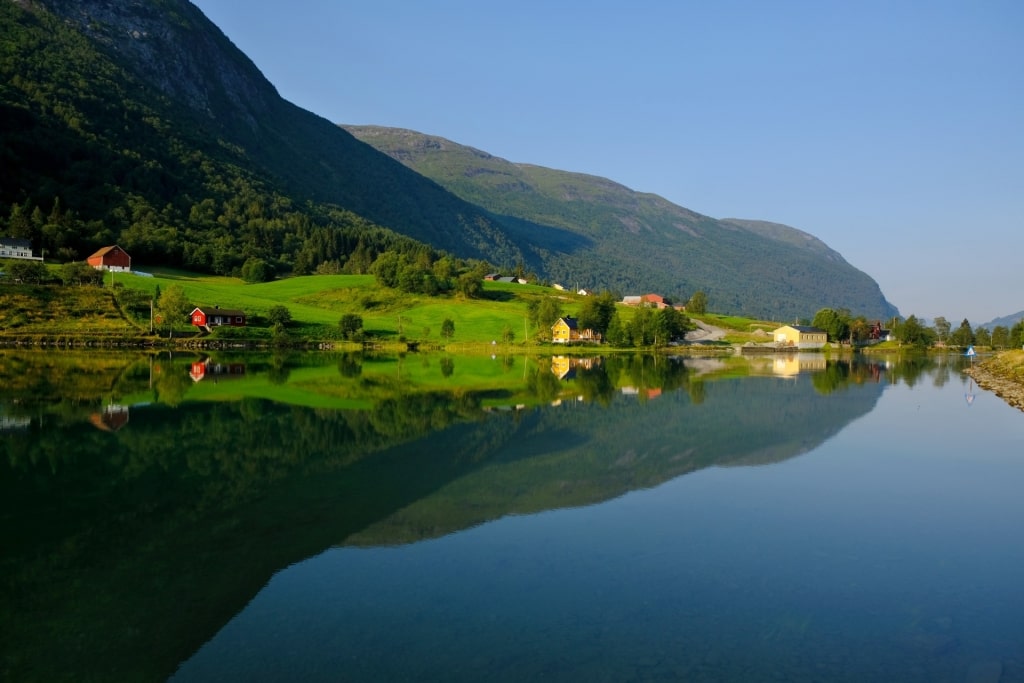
{"x":175,"y":48}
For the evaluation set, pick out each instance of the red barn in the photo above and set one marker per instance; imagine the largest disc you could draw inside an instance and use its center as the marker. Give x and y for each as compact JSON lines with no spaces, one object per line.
{"x":217,"y":316}
{"x":111,"y":258}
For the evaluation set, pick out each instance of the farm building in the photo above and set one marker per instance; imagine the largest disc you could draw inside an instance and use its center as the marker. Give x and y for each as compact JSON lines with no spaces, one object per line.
{"x":209,"y":318}
{"x":111,"y":258}
{"x":800,"y":336}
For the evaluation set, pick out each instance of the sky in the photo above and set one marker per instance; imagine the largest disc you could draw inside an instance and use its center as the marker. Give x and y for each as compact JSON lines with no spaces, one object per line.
{"x":892,"y":131}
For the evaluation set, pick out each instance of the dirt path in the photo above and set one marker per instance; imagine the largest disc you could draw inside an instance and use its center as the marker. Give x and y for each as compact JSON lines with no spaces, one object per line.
{"x":705,"y":333}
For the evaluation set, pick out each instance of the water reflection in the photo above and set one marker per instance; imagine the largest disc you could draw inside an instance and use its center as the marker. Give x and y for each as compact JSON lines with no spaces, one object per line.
{"x":140,"y":541}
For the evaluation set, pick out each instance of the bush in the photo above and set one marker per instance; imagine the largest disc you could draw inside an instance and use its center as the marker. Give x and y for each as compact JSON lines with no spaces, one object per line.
{"x":351,"y":325}
{"x":29,"y":272}
{"x":279,"y":315}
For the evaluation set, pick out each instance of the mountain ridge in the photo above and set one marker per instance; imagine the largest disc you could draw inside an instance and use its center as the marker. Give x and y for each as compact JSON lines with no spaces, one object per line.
{"x":1005,"y":320}
{"x":748,"y":267}
{"x":142,"y":124}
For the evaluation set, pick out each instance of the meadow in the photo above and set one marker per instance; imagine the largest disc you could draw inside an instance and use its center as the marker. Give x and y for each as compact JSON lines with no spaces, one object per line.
{"x":317,"y":303}
{"x":493,"y":323}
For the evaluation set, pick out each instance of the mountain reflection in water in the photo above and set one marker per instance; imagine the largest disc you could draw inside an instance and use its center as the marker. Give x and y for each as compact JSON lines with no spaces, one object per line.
{"x":146,"y":504}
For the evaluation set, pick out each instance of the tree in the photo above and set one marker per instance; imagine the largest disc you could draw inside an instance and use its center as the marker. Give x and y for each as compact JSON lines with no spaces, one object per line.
{"x":448,"y":328}
{"x":386,"y":269}
{"x":174,"y":306}
{"x":470,"y":284}
{"x":835,"y":323}
{"x":596,"y":312}
{"x":641,"y":329}
{"x":351,"y":325}
{"x":860,"y":330}
{"x":1000,"y":337}
{"x":544,"y":312}
{"x":29,"y":272}
{"x":617,"y":333}
{"x":18,"y":224}
{"x":698,"y":303}
{"x":963,"y":336}
{"x":982,"y":337}
{"x":80,"y":273}
{"x":670,"y":325}
{"x":942,"y":328}
{"x":912,"y":332}
{"x":1016,"y":335}
{"x":444,"y":270}
{"x":257,"y":270}
{"x":279,"y":315}
{"x":507,"y":334}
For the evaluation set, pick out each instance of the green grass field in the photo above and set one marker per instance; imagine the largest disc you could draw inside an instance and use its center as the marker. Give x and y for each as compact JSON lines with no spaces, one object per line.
{"x":319,"y":301}
{"x":316,"y":304}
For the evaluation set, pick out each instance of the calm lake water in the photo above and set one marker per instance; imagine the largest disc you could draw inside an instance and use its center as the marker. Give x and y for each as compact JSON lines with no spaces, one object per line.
{"x":350,"y":518}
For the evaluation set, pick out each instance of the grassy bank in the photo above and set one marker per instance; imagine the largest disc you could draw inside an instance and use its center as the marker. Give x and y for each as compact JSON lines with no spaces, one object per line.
{"x":119,"y":312}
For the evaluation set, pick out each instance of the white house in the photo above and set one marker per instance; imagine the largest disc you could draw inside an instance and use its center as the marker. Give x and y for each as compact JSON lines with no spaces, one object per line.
{"x":13,"y":247}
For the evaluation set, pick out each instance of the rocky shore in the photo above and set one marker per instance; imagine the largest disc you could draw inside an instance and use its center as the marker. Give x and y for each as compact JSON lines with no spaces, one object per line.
{"x":1003,"y":375}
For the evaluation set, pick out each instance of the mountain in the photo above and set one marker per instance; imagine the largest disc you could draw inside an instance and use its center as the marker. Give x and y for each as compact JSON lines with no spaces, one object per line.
{"x":1006,"y":321}
{"x":141,"y":124}
{"x":599,"y":234}
{"x":156,"y":132}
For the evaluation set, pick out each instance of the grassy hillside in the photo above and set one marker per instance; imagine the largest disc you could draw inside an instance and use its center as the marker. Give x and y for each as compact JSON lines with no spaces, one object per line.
{"x":45,"y":309}
{"x":316,"y":304}
{"x":597,"y":233}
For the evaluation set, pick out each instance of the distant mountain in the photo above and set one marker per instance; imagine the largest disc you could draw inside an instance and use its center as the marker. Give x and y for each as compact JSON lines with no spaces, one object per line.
{"x":1006,"y":321}
{"x":593,"y":232}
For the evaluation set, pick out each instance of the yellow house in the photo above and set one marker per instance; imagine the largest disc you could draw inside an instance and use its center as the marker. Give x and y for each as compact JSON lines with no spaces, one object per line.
{"x":800,"y":336}
{"x":566,"y":330}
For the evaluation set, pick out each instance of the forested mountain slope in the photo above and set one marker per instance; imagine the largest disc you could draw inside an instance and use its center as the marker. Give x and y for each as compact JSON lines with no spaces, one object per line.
{"x":597,"y":233}
{"x":142,"y":124}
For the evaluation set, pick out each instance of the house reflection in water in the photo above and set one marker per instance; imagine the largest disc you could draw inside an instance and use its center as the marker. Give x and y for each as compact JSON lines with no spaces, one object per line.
{"x":564,"y":367}
{"x":208,"y":368}
{"x":645,"y":393}
{"x":790,"y":366}
{"x":112,"y":418}
{"x":14,"y":424}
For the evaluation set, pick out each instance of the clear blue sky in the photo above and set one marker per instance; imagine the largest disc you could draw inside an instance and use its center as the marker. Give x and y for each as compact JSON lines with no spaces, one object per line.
{"x":893,"y":131}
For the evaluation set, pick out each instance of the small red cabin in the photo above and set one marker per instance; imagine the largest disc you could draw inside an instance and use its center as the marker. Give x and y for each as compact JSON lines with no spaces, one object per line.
{"x":216,"y":316}
{"x":111,"y":258}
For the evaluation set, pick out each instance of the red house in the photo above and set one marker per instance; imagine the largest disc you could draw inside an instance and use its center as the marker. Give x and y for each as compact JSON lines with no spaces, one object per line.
{"x":111,"y":258}
{"x":217,"y":316}
{"x":654,"y":300}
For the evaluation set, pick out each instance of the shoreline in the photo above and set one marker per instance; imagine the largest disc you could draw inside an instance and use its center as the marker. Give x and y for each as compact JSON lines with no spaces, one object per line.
{"x":1003,"y":375}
